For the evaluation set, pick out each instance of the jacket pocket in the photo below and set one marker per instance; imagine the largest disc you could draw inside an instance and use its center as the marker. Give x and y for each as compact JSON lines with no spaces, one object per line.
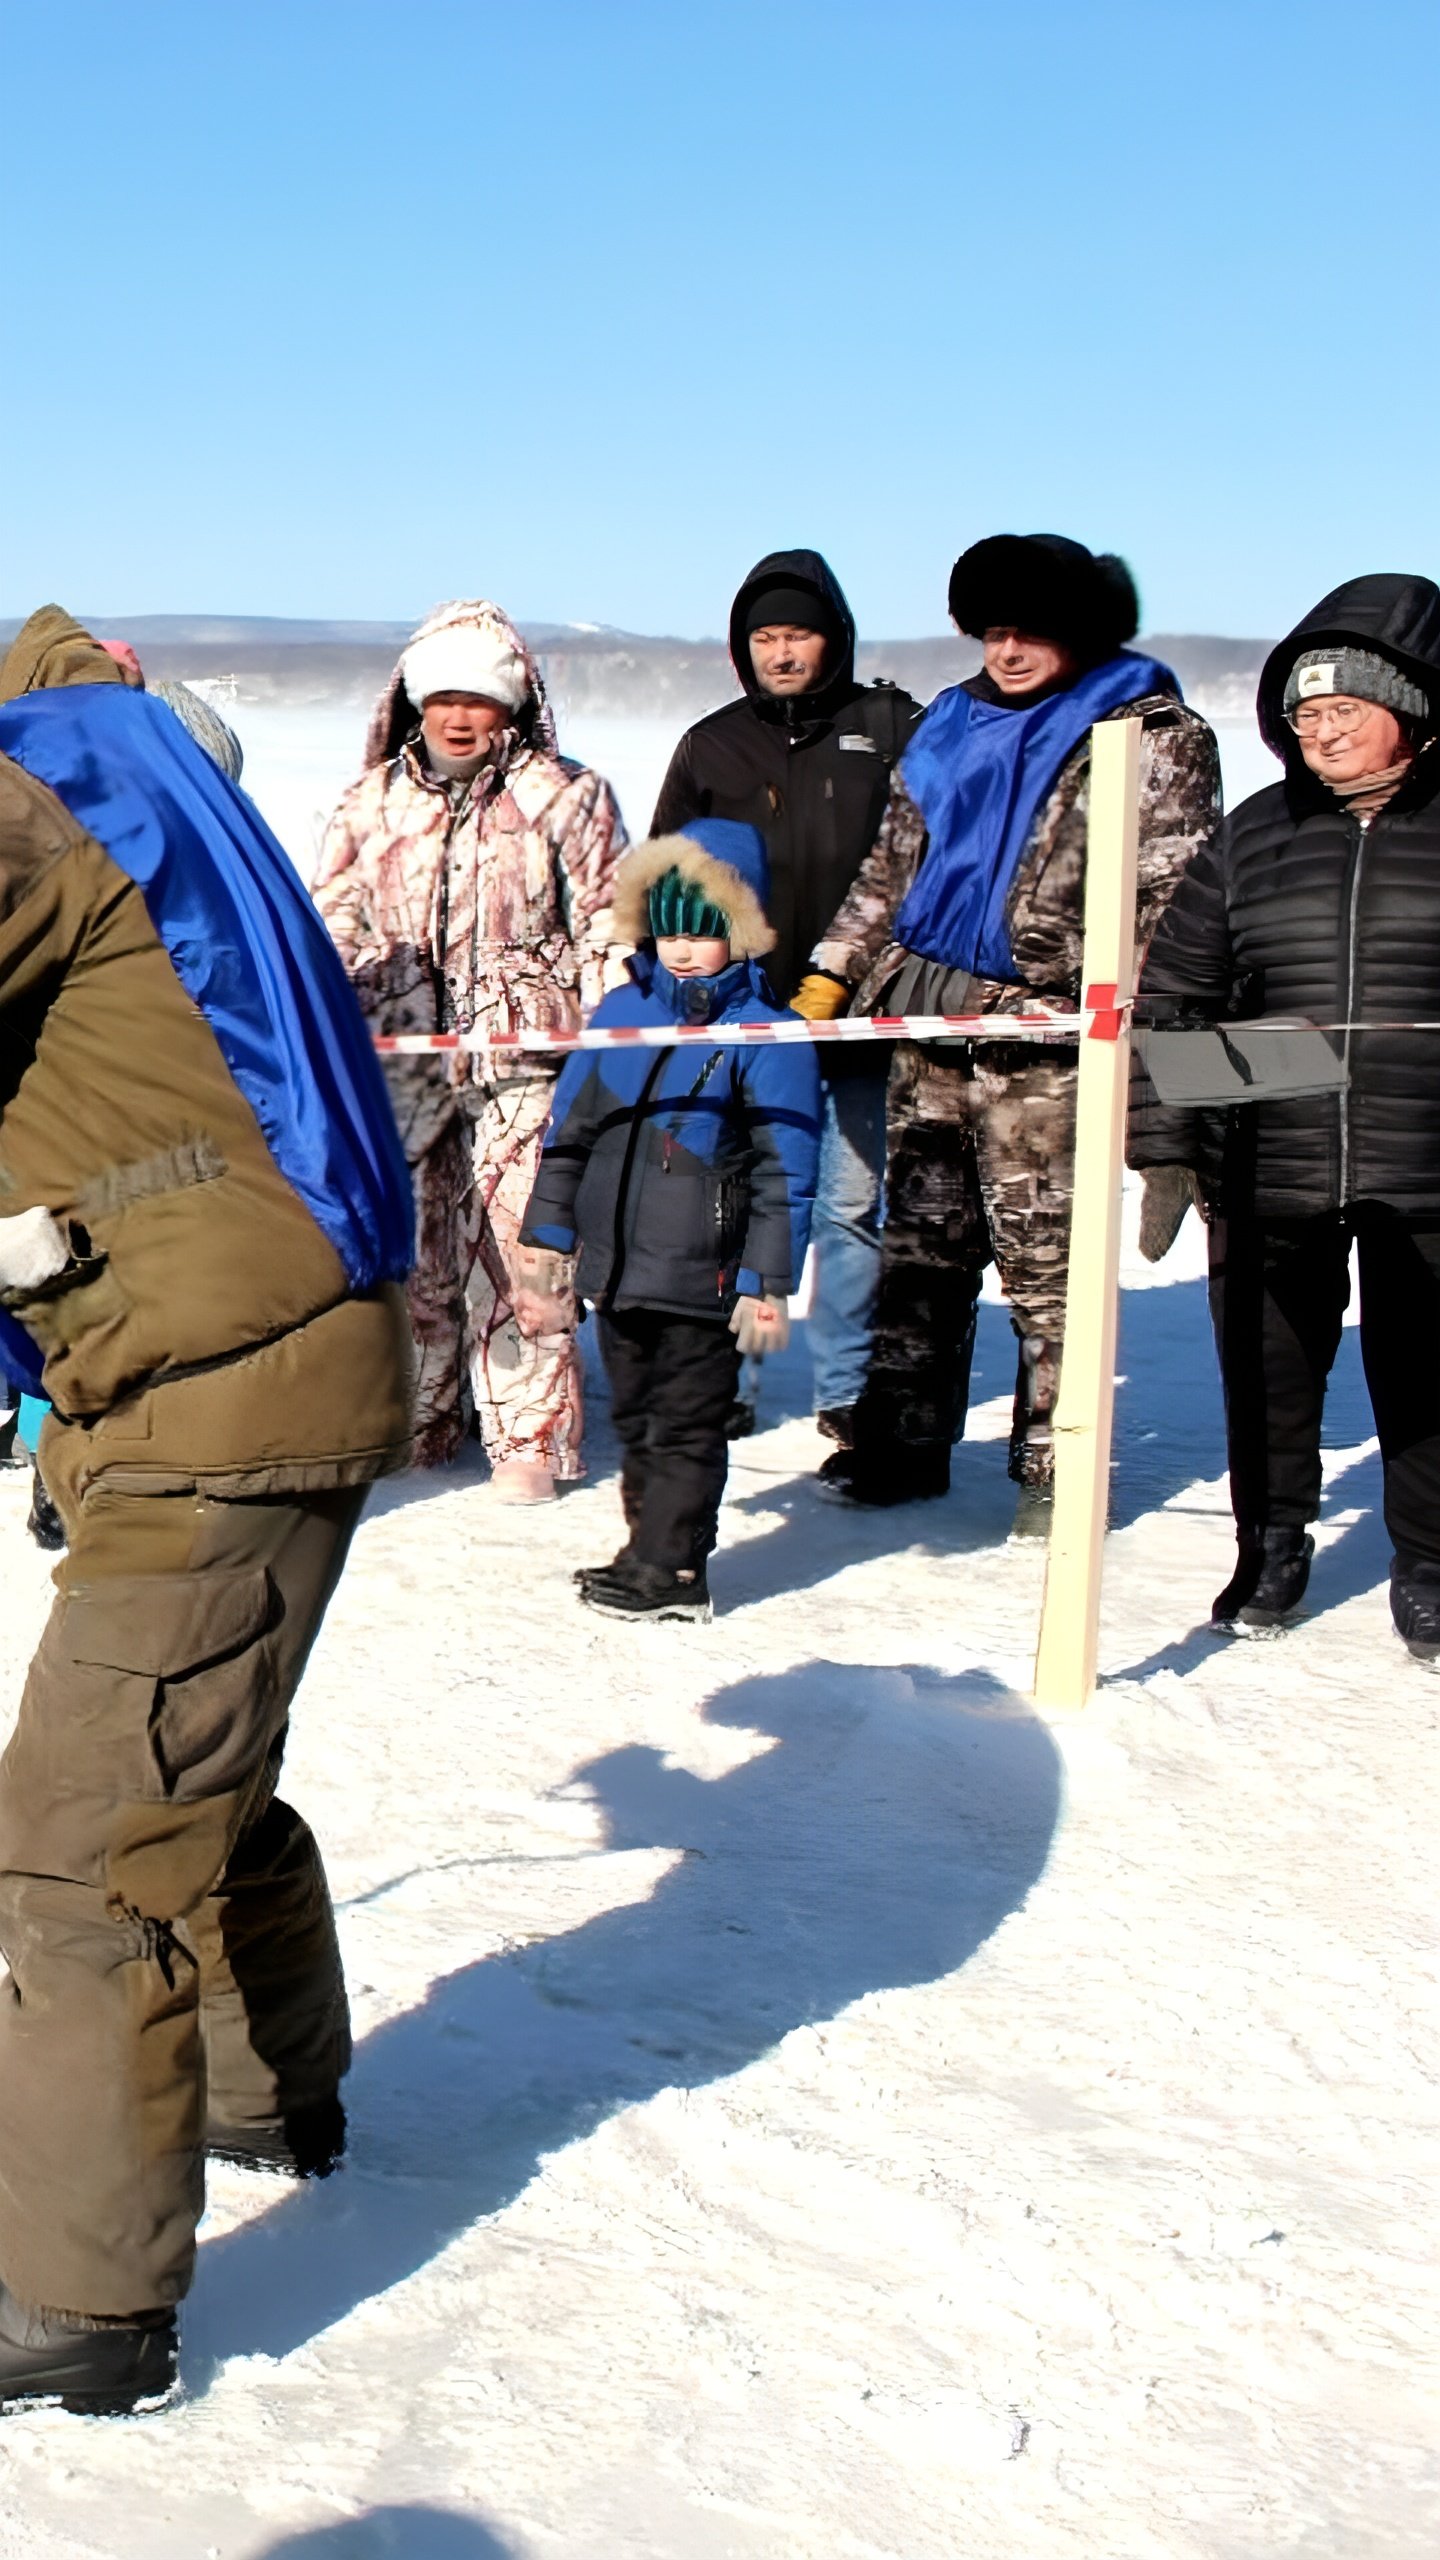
{"x":728,"y":1205}
{"x":195,"y":1638}
{"x":85,"y":1295}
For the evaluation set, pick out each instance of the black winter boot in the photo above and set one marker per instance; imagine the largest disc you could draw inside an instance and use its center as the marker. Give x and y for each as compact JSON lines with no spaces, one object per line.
{"x":309,"y":2143}
{"x":96,"y":2372}
{"x":1415,"y":1607}
{"x":631,"y":1588}
{"x":837,"y":1422}
{"x":880,"y":1476}
{"x":620,"y":1563}
{"x":44,"y":1524}
{"x":1268,"y":1584}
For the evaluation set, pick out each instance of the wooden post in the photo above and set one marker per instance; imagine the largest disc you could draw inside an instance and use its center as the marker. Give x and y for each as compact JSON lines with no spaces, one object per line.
{"x":1085,"y":1413}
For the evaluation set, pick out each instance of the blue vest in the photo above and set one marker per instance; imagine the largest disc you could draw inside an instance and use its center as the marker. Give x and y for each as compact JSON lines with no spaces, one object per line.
{"x":248,"y":946}
{"x":980,"y":774}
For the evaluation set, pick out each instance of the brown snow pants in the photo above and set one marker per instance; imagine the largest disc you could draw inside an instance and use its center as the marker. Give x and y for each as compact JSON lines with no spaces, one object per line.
{"x":164,"y":1916}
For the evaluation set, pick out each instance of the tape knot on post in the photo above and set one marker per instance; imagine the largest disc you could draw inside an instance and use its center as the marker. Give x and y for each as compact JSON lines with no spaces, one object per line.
{"x":1107,"y":1013}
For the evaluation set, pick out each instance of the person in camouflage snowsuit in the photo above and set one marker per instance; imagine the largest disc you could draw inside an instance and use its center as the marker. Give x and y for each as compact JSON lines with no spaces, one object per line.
{"x":972,"y":901}
{"x":471,"y":891}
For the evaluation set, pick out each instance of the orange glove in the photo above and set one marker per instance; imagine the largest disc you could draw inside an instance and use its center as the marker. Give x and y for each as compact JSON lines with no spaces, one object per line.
{"x":820,"y":997}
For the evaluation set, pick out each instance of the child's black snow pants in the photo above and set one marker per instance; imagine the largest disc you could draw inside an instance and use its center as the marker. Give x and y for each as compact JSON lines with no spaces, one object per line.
{"x":672,"y":1383}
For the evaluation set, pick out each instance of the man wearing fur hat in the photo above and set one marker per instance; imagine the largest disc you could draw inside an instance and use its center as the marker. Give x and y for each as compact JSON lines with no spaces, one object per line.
{"x":466,"y":878}
{"x":972,"y":901}
{"x":1321,"y":899}
{"x":806,"y":757}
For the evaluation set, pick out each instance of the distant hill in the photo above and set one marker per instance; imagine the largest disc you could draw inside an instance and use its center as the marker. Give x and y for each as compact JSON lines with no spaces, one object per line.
{"x":270,"y":659}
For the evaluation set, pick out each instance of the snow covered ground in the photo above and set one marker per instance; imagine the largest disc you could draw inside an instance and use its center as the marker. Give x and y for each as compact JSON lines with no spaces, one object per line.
{"x":807,"y":2104}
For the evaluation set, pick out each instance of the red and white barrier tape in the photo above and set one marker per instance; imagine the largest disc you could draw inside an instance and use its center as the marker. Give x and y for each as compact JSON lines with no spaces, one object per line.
{"x":1100,"y":1019}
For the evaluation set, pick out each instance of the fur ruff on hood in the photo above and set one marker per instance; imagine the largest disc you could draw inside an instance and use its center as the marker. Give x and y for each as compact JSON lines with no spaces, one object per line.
{"x":395,"y":718}
{"x":751,"y":934}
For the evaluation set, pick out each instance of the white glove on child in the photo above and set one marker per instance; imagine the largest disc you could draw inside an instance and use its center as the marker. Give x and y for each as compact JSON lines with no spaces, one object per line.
{"x":542,"y":1290}
{"x":760,"y":1325}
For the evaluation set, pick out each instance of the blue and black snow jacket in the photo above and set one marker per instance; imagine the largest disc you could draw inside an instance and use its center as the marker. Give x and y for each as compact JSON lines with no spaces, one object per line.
{"x":685,"y":1176}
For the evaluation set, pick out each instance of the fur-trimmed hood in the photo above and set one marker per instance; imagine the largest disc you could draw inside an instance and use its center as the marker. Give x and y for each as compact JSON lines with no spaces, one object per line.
{"x":395,"y":718}
{"x":728,"y":863}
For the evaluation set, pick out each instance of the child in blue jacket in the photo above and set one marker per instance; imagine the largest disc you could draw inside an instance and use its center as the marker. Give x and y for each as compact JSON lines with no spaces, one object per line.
{"x":684,"y":1178}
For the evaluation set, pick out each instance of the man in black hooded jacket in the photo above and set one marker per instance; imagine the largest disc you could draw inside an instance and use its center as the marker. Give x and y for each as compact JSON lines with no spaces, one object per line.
{"x":806,"y":757}
{"x":1321,"y":899}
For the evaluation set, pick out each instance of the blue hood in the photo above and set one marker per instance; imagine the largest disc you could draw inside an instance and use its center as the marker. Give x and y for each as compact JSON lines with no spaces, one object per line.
{"x":742,"y":849}
{"x":247,"y":945}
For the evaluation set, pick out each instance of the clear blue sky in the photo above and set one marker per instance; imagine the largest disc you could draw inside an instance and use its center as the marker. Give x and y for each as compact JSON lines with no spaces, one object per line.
{"x":340,"y":306}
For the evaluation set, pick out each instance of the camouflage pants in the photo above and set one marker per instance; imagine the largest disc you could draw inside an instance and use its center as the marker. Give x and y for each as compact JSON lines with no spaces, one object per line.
{"x":473,"y":1177}
{"x":980,"y":1168}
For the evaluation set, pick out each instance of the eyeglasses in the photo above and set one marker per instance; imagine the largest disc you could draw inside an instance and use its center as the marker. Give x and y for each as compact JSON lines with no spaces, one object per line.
{"x":1343,"y":717}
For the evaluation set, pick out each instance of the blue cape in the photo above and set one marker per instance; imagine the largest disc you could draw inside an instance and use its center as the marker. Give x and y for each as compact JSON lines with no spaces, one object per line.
{"x":247,"y":945}
{"x":980,"y":774}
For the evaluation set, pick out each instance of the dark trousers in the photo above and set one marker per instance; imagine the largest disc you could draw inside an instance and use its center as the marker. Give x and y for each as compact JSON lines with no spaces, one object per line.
{"x":1278,"y":1294}
{"x":672,"y":1384}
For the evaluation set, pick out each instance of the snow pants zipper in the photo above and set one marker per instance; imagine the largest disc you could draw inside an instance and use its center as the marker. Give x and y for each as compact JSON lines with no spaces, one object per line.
{"x":1352,"y":919}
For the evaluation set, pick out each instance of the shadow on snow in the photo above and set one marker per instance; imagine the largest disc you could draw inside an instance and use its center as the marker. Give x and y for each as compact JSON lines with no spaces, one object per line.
{"x":393,"y":2533}
{"x":887,"y":1824}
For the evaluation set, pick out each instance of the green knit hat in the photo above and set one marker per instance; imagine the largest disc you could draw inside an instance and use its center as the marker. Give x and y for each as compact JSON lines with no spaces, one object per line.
{"x":678,"y":905}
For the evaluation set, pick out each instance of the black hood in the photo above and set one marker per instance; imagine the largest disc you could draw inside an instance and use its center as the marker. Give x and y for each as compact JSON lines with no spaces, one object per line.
{"x":796,"y":569}
{"x":1399,"y":616}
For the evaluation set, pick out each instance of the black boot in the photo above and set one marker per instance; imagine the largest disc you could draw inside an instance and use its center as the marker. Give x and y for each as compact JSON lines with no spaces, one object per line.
{"x":102,"y":2372}
{"x":1032,"y":1433}
{"x":1268,"y":1584}
{"x":641,"y":1590}
{"x":308,"y":2143}
{"x":837,"y":1422}
{"x":44,"y":1524}
{"x":620,"y":1563}
{"x":1415,"y":1607}
{"x":879,"y":1476}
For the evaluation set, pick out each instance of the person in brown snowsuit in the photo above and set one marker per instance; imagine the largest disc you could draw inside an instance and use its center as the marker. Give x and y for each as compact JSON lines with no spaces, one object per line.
{"x":971,"y":901}
{"x":204,"y":1214}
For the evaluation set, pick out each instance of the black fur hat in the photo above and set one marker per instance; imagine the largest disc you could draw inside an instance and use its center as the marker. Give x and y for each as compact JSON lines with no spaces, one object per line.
{"x":1048,"y":585}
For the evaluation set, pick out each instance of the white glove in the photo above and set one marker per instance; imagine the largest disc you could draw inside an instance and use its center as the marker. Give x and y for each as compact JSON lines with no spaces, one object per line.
{"x":32,"y":1250}
{"x":760,"y":1325}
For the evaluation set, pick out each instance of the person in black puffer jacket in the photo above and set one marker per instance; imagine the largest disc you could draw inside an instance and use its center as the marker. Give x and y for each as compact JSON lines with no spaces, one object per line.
{"x":1321,"y":899}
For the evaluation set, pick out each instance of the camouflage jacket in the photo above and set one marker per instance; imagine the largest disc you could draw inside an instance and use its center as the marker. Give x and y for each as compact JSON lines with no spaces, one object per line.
{"x":485,"y":906}
{"x":1179,"y":812}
